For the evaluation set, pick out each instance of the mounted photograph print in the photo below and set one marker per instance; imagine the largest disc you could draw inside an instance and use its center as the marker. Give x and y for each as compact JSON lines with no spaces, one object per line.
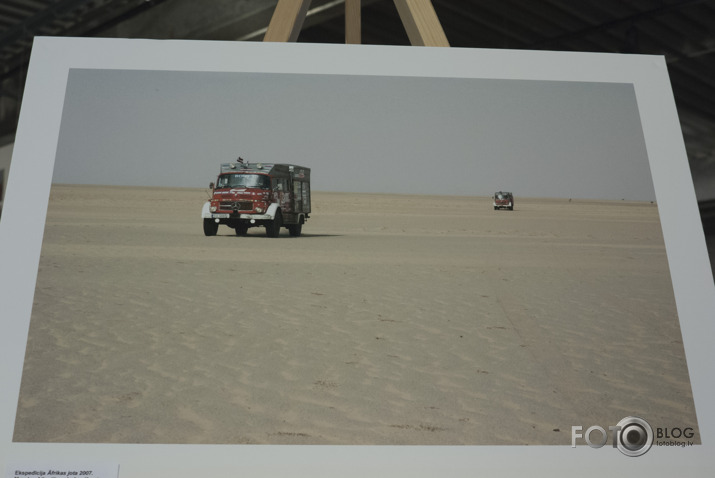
{"x":444,"y":248}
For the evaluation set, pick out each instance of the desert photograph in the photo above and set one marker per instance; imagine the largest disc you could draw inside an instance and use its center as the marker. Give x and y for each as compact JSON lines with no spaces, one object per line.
{"x":410,"y":311}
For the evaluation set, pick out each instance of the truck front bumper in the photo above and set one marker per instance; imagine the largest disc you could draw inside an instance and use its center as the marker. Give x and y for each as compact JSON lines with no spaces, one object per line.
{"x":224,"y":217}
{"x":256,"y":217}
{"x":246,"y":217}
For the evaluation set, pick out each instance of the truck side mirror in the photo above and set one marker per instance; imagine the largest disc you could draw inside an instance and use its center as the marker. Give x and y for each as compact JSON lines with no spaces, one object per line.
{"x":211,"y":185}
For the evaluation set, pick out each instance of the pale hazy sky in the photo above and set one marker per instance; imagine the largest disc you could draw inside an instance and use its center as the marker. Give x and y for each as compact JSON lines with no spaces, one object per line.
{"x":356,"y":133}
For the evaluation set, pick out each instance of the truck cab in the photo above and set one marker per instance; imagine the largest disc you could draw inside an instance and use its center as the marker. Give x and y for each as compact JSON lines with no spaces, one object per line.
{"x":248,"y":195}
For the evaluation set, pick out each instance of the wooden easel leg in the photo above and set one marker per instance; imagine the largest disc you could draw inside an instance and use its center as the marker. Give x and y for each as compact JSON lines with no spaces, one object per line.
{"x":287,"y":20}
{"x":352,"y":22}
{"x":421,"y":23}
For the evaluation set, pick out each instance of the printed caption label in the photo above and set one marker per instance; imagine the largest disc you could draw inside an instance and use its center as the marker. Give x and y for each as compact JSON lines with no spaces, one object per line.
{"x":25,"y":470}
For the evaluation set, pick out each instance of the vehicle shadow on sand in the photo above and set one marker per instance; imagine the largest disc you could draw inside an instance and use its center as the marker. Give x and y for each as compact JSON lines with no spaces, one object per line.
{"x":260,"y":235}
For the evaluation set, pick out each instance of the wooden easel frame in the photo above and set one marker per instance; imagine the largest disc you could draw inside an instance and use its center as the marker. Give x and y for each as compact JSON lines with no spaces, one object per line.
{"x":418,"y":17}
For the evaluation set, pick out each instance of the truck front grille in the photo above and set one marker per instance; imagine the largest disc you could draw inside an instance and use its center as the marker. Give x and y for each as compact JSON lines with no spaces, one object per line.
{"x":237,"y":205}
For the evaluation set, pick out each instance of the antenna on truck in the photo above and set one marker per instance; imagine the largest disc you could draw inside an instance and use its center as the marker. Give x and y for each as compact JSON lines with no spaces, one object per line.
{"x":242,"y":162}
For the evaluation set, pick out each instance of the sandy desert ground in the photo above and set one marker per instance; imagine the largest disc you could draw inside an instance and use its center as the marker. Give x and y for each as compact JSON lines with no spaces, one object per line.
{"x":394,"y":319}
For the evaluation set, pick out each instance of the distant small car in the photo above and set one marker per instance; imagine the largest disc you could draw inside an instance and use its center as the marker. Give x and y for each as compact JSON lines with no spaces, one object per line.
{"x":503,"y":200}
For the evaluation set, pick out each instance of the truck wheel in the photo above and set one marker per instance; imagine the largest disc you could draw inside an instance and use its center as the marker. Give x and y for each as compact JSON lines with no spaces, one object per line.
{"x":273,"y":228}
{"x":210,"y":227}
{"x":295,"y":229}
{"x":241,"y":229}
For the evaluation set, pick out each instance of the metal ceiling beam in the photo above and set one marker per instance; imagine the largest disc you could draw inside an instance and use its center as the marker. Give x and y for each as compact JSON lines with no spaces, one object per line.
{"x":561,"y":39}
{"x":30,"y":25}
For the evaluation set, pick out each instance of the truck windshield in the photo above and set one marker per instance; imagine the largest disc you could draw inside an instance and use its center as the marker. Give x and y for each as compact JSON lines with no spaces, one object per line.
{"x":242,"y":180}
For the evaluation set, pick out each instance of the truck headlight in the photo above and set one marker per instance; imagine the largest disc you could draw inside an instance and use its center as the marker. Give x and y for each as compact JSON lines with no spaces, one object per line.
{"x":213,"y":209}
{"x":259,"y":209}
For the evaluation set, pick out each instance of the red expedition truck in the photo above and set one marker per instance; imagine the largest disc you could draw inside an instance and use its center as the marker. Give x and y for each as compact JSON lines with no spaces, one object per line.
{"x":255,"y":194}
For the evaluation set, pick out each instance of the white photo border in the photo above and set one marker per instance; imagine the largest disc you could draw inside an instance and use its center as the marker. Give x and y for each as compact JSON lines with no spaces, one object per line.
{"x":22,"y":226}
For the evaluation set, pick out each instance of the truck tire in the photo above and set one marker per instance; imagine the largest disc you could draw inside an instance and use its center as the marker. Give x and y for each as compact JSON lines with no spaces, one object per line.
{"x":273,"y":228}
{"x":295,"y":229}
{"x":210,"y":227}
